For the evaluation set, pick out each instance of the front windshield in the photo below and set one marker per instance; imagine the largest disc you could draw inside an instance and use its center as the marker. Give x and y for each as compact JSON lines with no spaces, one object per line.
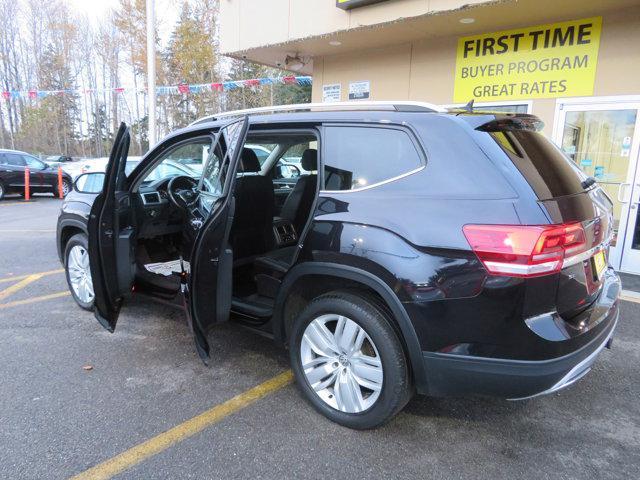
{"x":186,"y":159}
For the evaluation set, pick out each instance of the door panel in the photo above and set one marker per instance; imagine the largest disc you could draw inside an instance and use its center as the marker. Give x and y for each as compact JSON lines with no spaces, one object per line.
{"x":13,"y":170}
{"x":209,"y":286}
{"x":111,"y":237}
{"x":37,"y":174}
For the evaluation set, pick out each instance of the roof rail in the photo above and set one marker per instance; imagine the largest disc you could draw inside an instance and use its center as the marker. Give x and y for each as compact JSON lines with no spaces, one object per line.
{"x":398,"y":106}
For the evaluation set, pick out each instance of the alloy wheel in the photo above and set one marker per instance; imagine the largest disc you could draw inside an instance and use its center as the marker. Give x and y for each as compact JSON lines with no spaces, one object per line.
{"x":341,"y":363}
{"x":66,"y":188}
{"x":80,"y":273}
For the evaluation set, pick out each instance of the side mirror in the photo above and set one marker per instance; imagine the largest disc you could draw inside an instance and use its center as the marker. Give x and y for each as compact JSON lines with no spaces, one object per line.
{"x":288,"y":171}
{"x":91,"y":182}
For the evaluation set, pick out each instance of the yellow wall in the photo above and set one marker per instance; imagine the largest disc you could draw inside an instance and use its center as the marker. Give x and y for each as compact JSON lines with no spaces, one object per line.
{"x":424,"y":70}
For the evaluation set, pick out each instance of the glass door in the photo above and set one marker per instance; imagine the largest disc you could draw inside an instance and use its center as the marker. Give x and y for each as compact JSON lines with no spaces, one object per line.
{"x":602,"y":138}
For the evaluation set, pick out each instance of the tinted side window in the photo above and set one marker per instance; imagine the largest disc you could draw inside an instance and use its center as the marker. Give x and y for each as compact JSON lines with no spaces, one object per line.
{"x":15,"y":159}
{"x":33,"y":162}
{"x":358,"y":157}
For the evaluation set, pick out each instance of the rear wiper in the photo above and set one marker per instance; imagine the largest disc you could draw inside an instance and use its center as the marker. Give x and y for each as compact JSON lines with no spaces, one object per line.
{"x":587,"y":182}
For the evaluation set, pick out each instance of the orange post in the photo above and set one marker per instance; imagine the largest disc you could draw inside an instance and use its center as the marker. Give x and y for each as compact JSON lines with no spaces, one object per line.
{"x":26,"y":185}
{"x":60,"y":192}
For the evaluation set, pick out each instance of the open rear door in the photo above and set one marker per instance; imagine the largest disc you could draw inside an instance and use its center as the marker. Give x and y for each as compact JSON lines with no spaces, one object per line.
{"x":209,"y":284}
{"x":111,"y":235}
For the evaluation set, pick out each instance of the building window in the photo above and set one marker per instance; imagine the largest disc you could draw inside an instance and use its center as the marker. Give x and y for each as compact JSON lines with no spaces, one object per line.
{"x":360,"y":157}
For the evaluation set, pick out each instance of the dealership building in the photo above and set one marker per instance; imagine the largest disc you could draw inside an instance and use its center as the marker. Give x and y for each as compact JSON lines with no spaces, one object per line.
{"x":573,"y":63}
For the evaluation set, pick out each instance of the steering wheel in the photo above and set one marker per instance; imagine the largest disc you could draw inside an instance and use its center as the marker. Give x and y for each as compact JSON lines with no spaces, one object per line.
{"x":182,"y":191}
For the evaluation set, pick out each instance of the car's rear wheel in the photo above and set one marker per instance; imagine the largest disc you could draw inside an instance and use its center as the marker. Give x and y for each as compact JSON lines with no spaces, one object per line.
{"x":2,"y":191}
{"x":78,"y":271}
{"x":348,"y":360}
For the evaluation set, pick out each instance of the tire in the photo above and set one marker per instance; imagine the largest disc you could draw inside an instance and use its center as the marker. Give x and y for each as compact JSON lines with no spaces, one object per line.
{"x":382,"y":346}
{"x":66,"y":188}
{"x":3,"y":190}
{"x":74,"y":247}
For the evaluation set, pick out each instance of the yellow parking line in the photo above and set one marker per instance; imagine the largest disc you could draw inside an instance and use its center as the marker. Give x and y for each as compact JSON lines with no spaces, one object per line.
{"x":18,"y":286}
{"x":3,"y":204}
{"x":20,"y":277}
{"x":159,"y":443}
{"x":34,"y":299}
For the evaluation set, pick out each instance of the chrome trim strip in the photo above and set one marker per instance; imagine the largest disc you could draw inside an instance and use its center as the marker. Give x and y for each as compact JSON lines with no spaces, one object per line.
{"x":519,"y":269}
{"x":577,"y":372}
{"x":377,"y":184}
{"x":581,"y":257}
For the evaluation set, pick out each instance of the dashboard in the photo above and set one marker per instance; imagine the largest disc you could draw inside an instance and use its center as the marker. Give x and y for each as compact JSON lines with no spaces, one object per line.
{"x":157,"y":215}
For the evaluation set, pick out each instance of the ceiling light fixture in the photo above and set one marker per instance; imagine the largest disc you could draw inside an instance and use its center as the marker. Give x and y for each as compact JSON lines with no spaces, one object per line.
{"x":467,"y":20}
{"x":335,"y":43}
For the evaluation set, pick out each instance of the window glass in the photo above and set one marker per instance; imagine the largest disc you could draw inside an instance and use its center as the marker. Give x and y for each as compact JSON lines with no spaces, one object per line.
{"x":214,"y":176}
{"x":357,"y":157}
{"x":15,"y":159}
{"x":187,"y":159}
{"x":34,"y":163}
{"x":549,"y":172}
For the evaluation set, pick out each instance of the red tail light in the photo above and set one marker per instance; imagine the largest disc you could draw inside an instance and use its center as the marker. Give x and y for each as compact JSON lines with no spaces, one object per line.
{"x":525,"y":251}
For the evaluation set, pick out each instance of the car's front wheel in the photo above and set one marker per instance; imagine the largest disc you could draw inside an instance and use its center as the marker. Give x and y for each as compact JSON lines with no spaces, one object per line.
{"x":348,"y":360}
{"x":78,"y":272}
{"x":66,"y":188}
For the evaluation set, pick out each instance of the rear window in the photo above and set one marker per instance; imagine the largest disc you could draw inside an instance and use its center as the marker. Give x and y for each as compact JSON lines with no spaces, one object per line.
{"x":549,"y":172}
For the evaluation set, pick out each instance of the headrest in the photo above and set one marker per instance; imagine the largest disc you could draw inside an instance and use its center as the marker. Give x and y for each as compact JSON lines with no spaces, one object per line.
{"x":249,"y":161}
{"x":309,"y":160}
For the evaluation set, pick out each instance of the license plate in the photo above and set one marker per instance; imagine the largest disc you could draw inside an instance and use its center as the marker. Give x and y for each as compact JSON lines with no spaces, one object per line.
{"x":599,"y":264}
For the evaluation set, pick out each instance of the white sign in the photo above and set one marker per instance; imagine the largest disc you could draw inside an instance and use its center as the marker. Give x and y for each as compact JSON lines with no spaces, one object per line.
{"x":359,"y":90}
{"x":331,"y":93}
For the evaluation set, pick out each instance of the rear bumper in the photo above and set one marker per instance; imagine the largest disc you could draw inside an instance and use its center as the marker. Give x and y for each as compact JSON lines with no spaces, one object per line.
{"x":451,"y":375}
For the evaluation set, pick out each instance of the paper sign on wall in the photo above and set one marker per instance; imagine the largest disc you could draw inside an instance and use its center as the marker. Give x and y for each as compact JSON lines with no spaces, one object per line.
{"x":331,"y":93}
{"x":359,"y":90}
{"x":545,"y":61}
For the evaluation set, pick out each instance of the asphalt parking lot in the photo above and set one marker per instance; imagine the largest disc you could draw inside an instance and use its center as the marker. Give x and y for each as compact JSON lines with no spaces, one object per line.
{"x":58,"y":419}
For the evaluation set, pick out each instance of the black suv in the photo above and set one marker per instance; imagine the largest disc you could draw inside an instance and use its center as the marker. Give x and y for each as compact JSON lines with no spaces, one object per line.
{"x":446,"y":253}
{"x":43,"y":178}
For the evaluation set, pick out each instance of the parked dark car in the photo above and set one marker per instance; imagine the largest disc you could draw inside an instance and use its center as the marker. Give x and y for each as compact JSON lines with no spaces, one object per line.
{"x":55,"y":159}
{"x":42,"y":177}
{"x":447,"y":253}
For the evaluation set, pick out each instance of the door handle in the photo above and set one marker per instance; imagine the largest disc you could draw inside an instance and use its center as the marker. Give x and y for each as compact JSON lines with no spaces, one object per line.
{"x":622,"y":188}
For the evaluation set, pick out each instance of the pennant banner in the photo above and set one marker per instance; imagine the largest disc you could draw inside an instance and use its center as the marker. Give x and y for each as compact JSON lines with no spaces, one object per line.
{"x":181,"y":89}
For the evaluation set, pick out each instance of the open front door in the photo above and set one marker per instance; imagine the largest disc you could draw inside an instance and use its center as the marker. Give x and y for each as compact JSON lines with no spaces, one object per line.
{"x":111,"y":232}
{"x":209,"y":285}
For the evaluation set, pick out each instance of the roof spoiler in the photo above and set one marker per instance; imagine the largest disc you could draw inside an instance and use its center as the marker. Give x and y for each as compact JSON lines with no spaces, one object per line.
{"x":521,"y":121}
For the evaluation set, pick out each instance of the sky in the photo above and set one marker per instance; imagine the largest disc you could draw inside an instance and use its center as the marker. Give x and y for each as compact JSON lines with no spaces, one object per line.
{"x":166,"y":13}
